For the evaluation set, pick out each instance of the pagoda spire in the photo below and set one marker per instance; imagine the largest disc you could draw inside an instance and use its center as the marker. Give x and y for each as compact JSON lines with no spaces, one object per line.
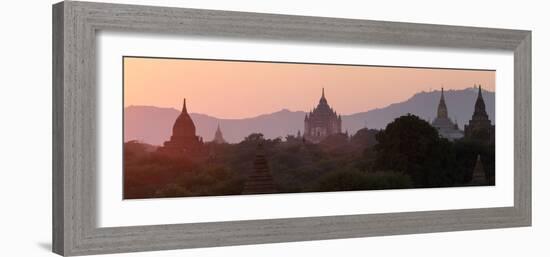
{"x":323,"y":100}
{"x":479,"y":109}
{"x":479,"y":92}
{"x":442,"y":108}
{"x":184,"y":108}
{"x":479,"y":127}
{"x":218,"y":136}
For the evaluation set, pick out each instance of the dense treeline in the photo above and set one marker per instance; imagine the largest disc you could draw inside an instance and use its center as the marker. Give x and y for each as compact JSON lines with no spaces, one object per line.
{"x":408,"y":153}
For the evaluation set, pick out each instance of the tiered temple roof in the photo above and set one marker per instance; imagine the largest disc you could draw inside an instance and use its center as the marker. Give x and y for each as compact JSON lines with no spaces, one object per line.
{"x":443,"y":124}
{"x":480,"y":126}
{"x":321,"y":121}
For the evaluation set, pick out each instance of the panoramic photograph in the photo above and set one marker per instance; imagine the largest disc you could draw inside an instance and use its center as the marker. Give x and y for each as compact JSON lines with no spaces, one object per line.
{"x":198,"y":127}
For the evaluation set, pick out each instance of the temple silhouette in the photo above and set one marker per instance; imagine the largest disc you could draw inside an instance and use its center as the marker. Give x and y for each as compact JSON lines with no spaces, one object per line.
{"x":443,"y":124}
{"x":218,"y":136}
{"x":480,"y":126}
{"x":321,"y":122}
{"x":184,"y":140}
{"x":260,"y":180}
{"x":478,"y":174}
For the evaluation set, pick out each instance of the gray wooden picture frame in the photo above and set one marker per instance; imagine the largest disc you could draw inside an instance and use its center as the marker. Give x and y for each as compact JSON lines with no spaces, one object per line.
{"x":75,"y":25}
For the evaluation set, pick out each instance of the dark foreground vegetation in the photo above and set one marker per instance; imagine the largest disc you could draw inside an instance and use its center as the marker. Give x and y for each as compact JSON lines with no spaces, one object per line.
{"x":407,"y":154}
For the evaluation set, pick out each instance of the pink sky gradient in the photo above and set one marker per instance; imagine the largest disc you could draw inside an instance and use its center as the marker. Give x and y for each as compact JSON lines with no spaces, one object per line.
{"x":232,"y":89}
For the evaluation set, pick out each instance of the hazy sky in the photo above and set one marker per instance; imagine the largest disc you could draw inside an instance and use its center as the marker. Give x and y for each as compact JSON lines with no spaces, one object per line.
{"x":232,"y":89}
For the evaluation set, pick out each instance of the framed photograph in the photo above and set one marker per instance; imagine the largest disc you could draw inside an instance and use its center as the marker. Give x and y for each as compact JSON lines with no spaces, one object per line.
{"x":183,"y":128}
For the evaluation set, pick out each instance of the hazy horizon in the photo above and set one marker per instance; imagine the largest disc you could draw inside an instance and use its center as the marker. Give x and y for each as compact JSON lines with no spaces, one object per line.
{"x":283,"y":108}
{"x":230,"y":89}
{"x":153,"y":124}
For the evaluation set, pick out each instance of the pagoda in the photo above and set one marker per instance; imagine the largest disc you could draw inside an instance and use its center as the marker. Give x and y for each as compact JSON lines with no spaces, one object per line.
{"x":321,"y":122}
{"x":183,"y":141}
{"x":260,"y":180}
{"x":218,"y":136}
{"x":445,"y":127}
{"x":480,"y":127}
{"x":478,"y":176}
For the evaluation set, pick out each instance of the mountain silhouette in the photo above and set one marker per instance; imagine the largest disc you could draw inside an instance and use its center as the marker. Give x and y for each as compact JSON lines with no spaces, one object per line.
{"x":153,"y":125}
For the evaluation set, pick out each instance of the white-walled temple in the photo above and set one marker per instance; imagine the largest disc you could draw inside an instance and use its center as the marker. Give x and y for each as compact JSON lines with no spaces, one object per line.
{"x":443,"y":124}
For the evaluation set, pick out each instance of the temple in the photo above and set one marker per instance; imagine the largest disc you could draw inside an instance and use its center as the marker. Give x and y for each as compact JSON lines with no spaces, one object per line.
{"x":218,"y":136}
{"x":479,"y":127}
{"x":478,"y":174}
{"x":321,"y":122}
{"x":260,"y":180}
{"x":445,"y":127}
{"x":183,"y":140}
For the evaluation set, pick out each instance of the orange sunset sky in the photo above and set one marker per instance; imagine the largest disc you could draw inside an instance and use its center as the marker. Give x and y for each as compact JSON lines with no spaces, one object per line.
{"x":232,"y":89}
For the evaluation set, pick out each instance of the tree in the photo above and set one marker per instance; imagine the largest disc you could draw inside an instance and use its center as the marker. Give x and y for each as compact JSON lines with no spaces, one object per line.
{"x":336,"y":143}
{"x":254,"y":137}
{"x":411,"y":145}
{"x":133,"y":149}
{"x":365,"y":137}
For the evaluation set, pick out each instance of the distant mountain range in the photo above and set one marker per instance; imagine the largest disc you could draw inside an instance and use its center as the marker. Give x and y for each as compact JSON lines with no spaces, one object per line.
{"x":153,"y":125}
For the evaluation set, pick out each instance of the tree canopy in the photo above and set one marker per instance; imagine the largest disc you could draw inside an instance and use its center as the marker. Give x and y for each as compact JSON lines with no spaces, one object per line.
{"x":412,"y":146}
{"x":408,"y":153}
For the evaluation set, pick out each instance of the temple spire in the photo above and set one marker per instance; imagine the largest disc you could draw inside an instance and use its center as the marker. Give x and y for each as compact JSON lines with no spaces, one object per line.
{"x":479,"y":109}
{"x":184,"y":108}
{"x":442,"y":107}
{"x":479,"y":91}
{"x":479,"y":127}
{"x":323,"y":100}
{"x":218,"y":136}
